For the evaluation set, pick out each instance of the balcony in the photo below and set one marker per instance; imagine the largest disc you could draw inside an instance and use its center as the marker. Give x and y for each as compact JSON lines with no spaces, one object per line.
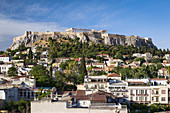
{"x":118,"y":90}
{"x":142,"y":95}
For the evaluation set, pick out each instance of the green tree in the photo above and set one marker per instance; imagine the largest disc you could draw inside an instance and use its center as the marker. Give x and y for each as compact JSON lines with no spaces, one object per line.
{"x":119,"y":55}
{"x":159,"y":66}
{"x":30,"y":54}
{"x":169,"y":69}
{"x":60,"y":80}
{"x":2,"y":52}
{"x":72,"y":72}
{"x":12,"y":71}
{"x":82,"y":69}
{"x":40,"y":73}
{"x":21,"y":106}
{"x":142,"y":60}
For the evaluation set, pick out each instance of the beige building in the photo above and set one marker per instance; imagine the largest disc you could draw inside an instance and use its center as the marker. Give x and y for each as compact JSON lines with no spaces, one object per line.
{"x":163,"y":72}
{"x":159,"y":94}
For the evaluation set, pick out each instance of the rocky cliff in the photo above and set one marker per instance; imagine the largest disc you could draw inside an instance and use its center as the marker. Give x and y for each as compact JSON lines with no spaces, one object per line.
{"x":101,"y":37}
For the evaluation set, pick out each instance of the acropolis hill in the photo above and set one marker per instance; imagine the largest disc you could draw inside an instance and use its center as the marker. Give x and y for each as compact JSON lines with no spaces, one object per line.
{"x":101,"y":37}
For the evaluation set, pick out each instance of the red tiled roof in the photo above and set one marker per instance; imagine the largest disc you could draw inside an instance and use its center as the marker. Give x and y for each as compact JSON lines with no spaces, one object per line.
{"x":76,"y":59}
{"x":88,"y":64}
{"x":136,"y":82}
{"x":113,"y":75}
{"x":81,"y":84}
{"x":163,"y":69}
{"x":3,"y":56}
{"x":80,"y":92}
{"x":98,"y":63}
{"x":17,"y":77}
{"x":81,"y":97}
{"x":158,"y":79}
{"x":65,"y":92}
{"x":99,"y":98}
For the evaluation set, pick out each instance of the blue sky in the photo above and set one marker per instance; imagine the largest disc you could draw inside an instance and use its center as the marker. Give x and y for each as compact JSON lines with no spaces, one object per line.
{"x":145,"y":18}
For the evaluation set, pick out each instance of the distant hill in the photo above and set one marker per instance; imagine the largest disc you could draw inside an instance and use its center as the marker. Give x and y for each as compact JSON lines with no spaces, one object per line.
{"x":30,"y":39}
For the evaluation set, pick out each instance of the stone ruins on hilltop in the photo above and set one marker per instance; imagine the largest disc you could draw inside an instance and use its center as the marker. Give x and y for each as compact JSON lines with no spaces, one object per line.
{"x":100,"y":37}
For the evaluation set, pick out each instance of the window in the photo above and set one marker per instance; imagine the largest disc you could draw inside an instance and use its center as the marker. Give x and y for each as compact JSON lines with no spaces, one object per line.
{"x":102,"y":87}
{"x":95,"y":86}
{"x":152,"y":98}
{"x":145,"y":91}
{"x":86,"y":86}
{"x":163,"y":99}
{"x":163,"y":91}
{"x":157,"y":92}
{"x":146,"y":99}
{"x":142,"y":91}
{"x":131,"y":91}
{"x":136,"y":98}
{"x":136,"y":91}
{"x":157,"y":99}
{"x":131,"y":98}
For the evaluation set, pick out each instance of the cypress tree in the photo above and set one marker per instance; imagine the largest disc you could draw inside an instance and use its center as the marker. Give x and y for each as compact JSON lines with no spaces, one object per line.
{"x":82,"y":69}
{"x":30,"y":55}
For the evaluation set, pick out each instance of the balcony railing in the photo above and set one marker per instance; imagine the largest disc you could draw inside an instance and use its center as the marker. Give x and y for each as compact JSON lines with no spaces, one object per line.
{"x":142,"y":95}
{"x":123,"y":90}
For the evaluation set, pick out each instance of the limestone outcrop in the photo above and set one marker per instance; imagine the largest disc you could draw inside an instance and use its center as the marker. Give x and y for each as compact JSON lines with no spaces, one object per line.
{"x":101,"y":37}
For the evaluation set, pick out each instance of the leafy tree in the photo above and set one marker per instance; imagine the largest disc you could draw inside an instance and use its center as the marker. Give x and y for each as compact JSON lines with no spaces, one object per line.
{"x":119,"y":55}
{"x":63,"y":65}
{"x":60,"y":80}
{"x":2,"y":52}
{"x":101,"y":59}
{"x":142,"y":60}
{"x":22,"y":47}
{"x":159,"y":66}
{"x":12,"y":71}
{"x":40,"y":73}
{"x":72,"y":72}
{"x":21,"y":106}
{"x":155,"y":60}
{"x":169,"y":69}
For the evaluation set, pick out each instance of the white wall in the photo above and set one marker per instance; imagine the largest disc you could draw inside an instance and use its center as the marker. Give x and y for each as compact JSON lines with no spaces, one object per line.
{"x":2,"y":94}
{"x":60,"y":107}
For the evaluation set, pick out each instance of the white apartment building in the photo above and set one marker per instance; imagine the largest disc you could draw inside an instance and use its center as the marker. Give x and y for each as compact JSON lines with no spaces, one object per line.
{"x":158,"y":81}
{"x":100,"y":65}
{"x":5,"y":58}
{"x":119,"y":89}
{"x":147,"y":55}
{"x":95,"y":83}
{"x":23,"y":81}
{"x":114,"y":62}
{"x":9,"y":93}
{"x":139,"y":94}
{"x":167,"y":56}
{"x":4,"y":68}
{"x":16,"y":94}
{"x":137,"y":55}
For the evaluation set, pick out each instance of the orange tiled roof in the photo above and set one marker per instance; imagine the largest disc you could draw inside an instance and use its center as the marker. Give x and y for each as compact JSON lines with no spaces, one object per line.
{"x":113,"y":75}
